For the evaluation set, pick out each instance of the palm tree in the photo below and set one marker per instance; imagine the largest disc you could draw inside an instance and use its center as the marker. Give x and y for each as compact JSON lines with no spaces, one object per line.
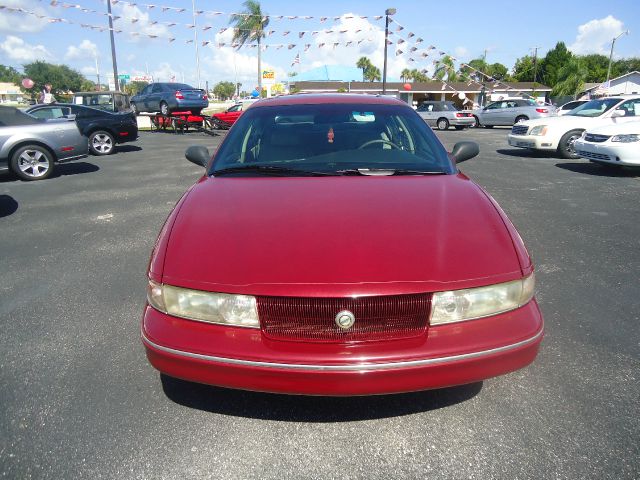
{"x":405,"y":75}
{"x":373,"y":73}
{"x":249,"y":27}
{"x":364,"y":64}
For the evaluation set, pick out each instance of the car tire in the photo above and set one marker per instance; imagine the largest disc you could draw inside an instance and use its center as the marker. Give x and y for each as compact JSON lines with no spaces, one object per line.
{"x":101,"y":143}
{"x":134,"y":108}
{"x":164,"y":108}
{"x":565,"y":147}
{"x":459,"y":127}
{"x":521,"y":118}
{"x":32,"y":162}
{"x":476,"y":123}
{"x":443,"y":124}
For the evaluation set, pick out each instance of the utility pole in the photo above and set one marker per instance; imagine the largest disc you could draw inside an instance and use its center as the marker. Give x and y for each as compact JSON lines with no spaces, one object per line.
{"x":387,"y":13}
{"x":626,"y":32}
{"x":535,"y":64}
{"x":98,"y":72}
{"x":113,"y":48}
{"x":195,"y":40}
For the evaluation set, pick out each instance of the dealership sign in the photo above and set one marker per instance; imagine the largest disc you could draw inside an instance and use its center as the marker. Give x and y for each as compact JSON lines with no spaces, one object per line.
{"x":268,"y":77}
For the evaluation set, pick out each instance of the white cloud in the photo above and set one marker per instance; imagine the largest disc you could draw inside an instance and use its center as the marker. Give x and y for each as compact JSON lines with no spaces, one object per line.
{"x":143,"y":25}
{"x":18,"y":50}
{"x":595,"y":36}
{"x":352,"y":28}
{"x":461,"y":52}
{"x":86,"y":49}
{"x":11,"y":22}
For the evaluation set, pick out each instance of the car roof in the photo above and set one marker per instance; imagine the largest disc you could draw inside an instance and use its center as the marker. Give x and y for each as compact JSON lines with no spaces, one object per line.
{"x":85,"y":107}
{"x":106,"y":92}
{"x":327,"y":98}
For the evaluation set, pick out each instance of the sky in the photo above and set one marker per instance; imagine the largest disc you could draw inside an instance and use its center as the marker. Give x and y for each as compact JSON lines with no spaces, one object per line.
{"x":420,"y":32}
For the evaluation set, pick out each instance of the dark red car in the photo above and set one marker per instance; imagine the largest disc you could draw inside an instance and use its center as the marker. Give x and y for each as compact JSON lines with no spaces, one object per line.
{"x":333,"y":248}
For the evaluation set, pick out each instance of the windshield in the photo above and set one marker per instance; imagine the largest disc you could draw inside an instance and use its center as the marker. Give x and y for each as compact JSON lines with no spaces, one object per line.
{"x":12,"y":117}
{"x":333,"y":139}
{"x":180,"y":86}
{"x":594,"y":108}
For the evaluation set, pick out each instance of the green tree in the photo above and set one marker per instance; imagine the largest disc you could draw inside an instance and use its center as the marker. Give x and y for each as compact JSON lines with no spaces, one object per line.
{"x":133,"y":88}
{"x":62,"y":78}
{"x":363,"y":64}
{"x":553,"y":62}
{"x":9,"y":75}
{"x":417,"y":76}
{"x":446,"y":69}
{"x":570,"y":78}
{"x":596,"y":67}
{"x":523,"y":69}
{"x":405,"y":75}
{"x":373,"y":74}
{"x":224,"y":90}
{"x":249,"y":27}
{"x":624,"y":66}
{"x":498,"y":71}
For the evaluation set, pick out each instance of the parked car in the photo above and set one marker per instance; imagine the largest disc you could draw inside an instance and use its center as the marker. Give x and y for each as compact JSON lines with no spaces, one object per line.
{"x":109,"y":101}
{"x":343,"y":263}
{"x":567,"y":107}
{"x":30,"y":147}
{"x":170,"y":97}
{"x":103,"y":129}
{"x":231,"y":114}
{"x":617,"y":145}
{"x":509,"y":112}
{"x":443,"y":114}
{"x":560,"y":133}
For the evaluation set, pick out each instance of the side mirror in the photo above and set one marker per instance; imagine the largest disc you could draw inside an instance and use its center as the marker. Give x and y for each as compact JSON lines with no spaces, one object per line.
{"x":618,"y":112}
{"x":198,"y":154}
{"x":71,"y":116}
{"x":464,"y":151}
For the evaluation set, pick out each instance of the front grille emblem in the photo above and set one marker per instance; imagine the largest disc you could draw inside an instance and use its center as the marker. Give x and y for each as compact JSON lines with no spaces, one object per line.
{"x":345,"y":319}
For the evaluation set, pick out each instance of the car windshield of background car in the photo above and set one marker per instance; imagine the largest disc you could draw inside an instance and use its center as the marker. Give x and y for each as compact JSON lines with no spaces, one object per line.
{"x":331,"y":138}
{"x":594,"y":108}
{"x":450,"y":107}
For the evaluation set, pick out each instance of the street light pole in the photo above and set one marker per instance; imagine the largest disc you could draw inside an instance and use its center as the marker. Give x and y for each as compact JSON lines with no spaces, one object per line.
{"x":195,"y":40}
{"x":388,"y":12}
{"x":113,"y":48}
{"x":626,"y":32}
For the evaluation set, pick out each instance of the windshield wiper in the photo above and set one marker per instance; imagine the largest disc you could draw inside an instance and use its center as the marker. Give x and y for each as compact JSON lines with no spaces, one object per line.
{"x":269,"y":169}
{"x":388,"y":171}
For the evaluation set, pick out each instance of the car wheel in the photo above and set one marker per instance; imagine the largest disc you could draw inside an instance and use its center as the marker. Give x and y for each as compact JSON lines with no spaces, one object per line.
{"x":565,"y":147}
{"x":443,"y":124}
{"x":134,"y":108}
{"x":101,"y":143}
{"x":476,"y":122}
{"x":164,"y":108}
{"x":32,"y":162}
{"x":521,"y":118}
{"x":459,"y":127}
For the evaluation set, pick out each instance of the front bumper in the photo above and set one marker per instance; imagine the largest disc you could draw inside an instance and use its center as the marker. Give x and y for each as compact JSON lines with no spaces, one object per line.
{"x":627,"y":154}
{"x":243,"y":358}
{"x":535,"y":142}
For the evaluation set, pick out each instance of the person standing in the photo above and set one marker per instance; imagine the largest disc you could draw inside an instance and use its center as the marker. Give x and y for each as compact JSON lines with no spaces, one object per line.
{"x":46,"y":96}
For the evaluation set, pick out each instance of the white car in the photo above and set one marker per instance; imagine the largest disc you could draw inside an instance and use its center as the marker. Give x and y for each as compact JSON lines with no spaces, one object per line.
{"x":560,"y":133}
{"x":567,"y":107}
{"x":614,"y":144}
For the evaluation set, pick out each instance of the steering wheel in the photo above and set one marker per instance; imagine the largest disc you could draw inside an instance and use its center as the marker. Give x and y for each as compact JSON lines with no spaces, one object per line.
{"x":379,"y":140}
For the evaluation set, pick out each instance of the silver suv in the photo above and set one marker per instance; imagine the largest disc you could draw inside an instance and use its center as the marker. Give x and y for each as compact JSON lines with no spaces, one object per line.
{"x":511,"y":111}
{"x":442,"y":114}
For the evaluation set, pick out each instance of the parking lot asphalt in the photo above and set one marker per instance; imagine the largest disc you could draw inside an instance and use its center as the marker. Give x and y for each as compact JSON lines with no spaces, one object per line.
{"x":78,"y":398}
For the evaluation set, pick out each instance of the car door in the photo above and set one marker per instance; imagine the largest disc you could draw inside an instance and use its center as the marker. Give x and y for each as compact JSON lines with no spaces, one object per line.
{"x":490,"y":114}
{"x":427,"y":112}
{"x":231,"y":114}
{"x":153,"y":99}
{"x":630,"y":109}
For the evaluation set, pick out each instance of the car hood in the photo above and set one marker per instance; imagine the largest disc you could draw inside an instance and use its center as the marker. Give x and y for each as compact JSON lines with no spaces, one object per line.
{"x":620,"y":129}
{"x":336,"y":236}
{"x":566,"y":121}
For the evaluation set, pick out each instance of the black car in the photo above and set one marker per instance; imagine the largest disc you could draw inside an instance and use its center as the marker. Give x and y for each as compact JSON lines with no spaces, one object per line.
{"x":103,"y":129}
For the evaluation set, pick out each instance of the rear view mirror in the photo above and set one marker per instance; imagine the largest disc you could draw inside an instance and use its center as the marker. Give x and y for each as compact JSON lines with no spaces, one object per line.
{"x":464,"y":151}
{"x":198,"y":154}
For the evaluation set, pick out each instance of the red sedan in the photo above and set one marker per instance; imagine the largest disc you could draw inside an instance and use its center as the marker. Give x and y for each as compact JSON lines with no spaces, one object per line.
{"x":231,"y":114}
{"x":333,"y":248}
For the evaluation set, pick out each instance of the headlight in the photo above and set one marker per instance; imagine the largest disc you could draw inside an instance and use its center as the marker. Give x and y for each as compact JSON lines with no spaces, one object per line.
{"x":539,"y":130}
{"x":470,"y":303}
{"x":222,"y":308}
{"x":633,"y":137}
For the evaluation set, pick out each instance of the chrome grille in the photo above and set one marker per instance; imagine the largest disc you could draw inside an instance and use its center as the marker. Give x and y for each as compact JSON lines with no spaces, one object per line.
{"x":592,"y":137}
{"x":313,"y":319}
{"x":595,"y":156}
{"x":519,"y":130}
